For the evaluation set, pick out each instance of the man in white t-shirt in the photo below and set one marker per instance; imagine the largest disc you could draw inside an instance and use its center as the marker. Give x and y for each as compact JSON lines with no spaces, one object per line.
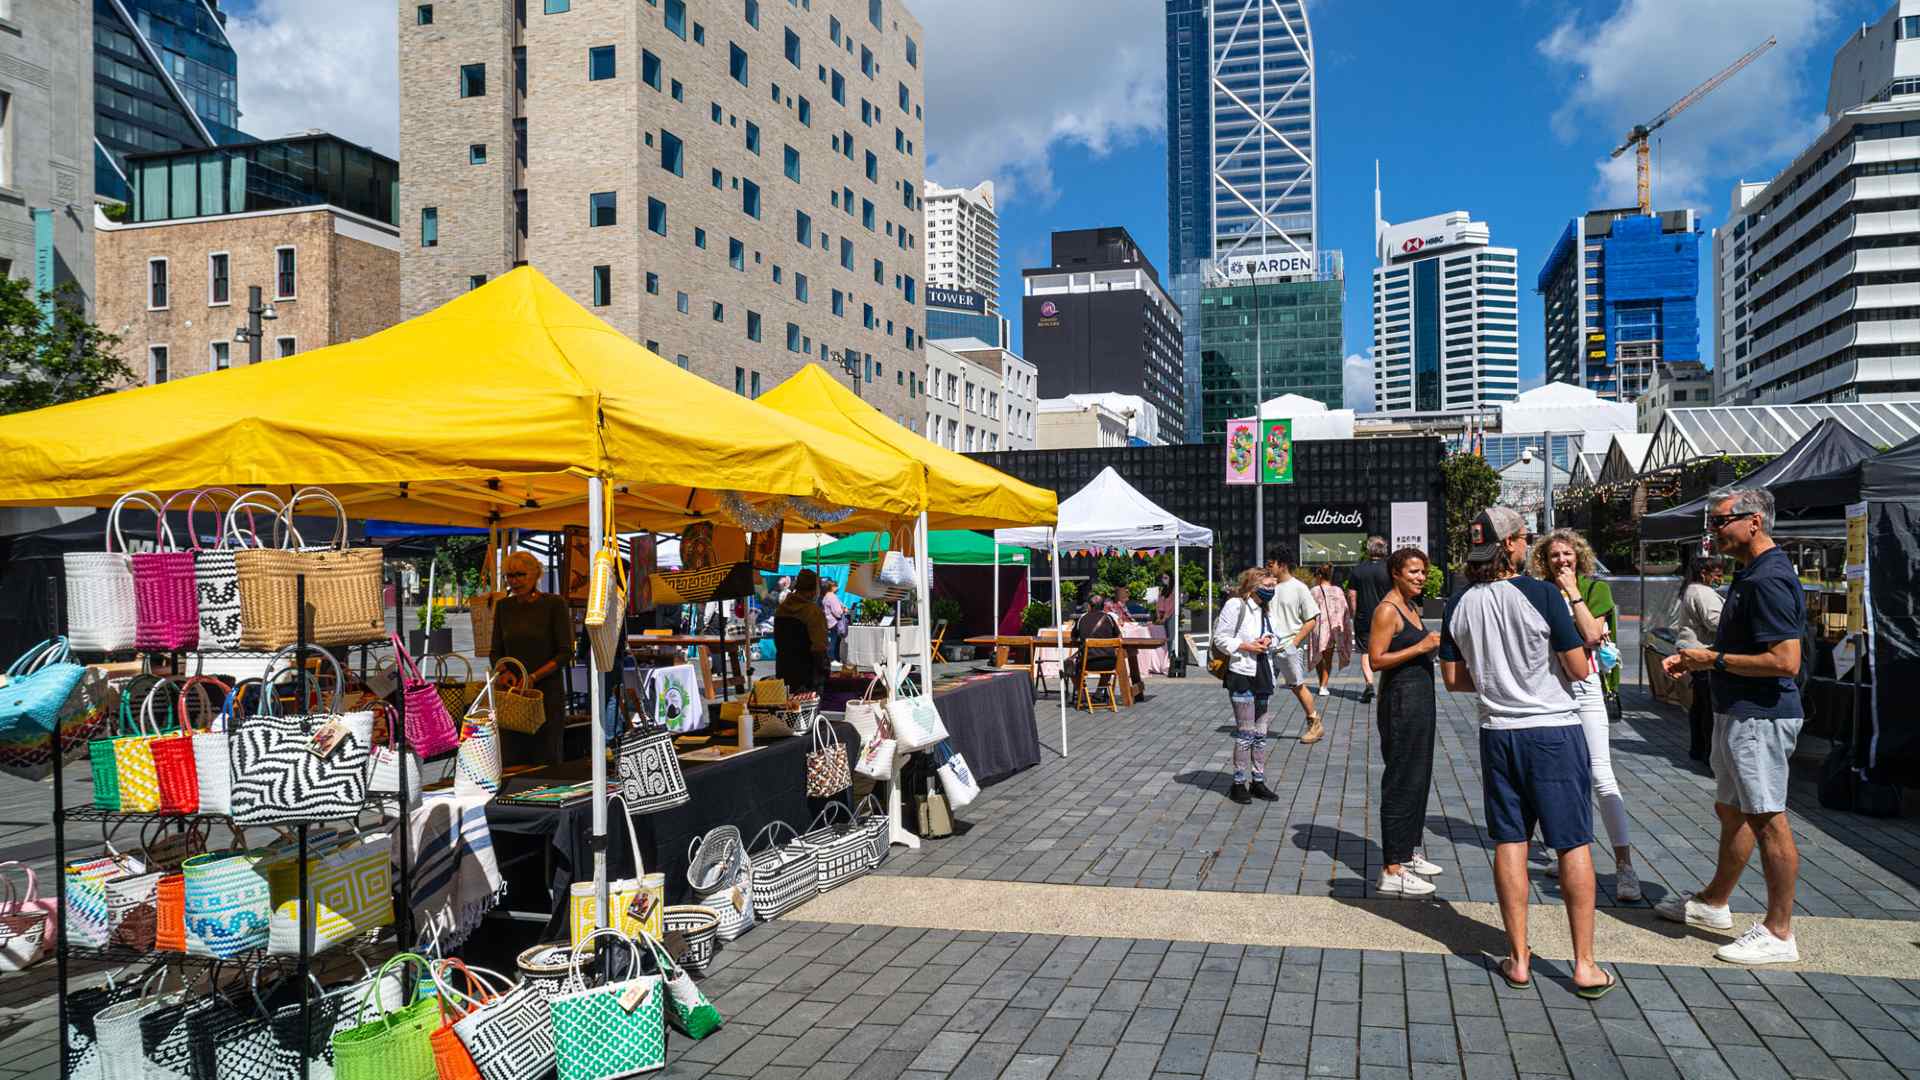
{"x":1293,"y":613}
{"x":1511,"y":640}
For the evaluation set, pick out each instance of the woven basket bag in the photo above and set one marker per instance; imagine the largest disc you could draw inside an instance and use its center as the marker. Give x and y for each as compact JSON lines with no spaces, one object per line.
{"x":101,"y":614}
{"x":165,"y":600}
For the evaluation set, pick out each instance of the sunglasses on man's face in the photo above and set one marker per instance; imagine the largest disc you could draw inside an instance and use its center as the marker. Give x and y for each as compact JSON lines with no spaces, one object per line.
{"x":1716,"y":522}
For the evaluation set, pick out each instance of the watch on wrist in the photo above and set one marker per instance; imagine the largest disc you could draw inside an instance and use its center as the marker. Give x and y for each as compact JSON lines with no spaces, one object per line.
{"x":1720,"y":662}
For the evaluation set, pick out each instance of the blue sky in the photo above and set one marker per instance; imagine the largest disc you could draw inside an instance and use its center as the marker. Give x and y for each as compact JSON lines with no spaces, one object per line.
{"x":1503,"y":108}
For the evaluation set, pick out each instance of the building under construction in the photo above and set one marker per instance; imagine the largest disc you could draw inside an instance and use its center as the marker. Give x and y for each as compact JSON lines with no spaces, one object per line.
{"x":1621,"y":295}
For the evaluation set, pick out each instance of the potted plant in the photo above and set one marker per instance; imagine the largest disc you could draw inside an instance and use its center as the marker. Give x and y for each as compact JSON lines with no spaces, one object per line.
{"x":432,"y":635}
{"x":1036,"y":615}
{"x":1434,"y":605}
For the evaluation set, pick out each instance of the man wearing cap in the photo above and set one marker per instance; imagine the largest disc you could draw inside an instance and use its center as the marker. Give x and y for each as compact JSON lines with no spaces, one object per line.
{"x":1510,"y":639}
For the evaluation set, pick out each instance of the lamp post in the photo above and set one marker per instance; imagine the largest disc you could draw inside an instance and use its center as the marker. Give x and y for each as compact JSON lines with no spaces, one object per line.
{"x":1259,"y":431}
{"x":251,"y":334}
{"x":850,"y":365}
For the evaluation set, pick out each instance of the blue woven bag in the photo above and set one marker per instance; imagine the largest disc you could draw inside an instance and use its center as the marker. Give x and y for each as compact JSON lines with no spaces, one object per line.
{"x":37,"y":688}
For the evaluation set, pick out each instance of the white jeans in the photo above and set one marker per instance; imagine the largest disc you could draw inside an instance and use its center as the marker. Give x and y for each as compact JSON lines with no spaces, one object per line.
{"x":1593,"y":722}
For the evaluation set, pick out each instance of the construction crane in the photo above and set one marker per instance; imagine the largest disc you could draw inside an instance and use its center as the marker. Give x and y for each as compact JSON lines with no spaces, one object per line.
{"x":1637,"y":138}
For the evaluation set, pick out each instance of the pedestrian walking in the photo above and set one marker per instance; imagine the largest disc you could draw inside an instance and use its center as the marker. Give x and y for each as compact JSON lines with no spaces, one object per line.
{"x":1510,"y":640}
{"x":835,"y":610}
{"x":1695,"y":619}
{"x":1367,"y":584}
{"x":1244,"y":631}
{"x":1564,"y":559}
{"x":1332,"y":633}
{"x":1757,"y":716}
{"x":1293,"y":615}
{"x":1402,"y":657}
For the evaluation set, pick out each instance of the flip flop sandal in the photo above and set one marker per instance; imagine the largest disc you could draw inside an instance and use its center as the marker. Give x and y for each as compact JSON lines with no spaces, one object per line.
{"x":1513,"y":983}
{"x":1595,"y":993}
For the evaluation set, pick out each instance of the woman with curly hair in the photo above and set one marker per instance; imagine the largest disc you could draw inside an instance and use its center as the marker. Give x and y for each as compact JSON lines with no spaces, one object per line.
{"x":1564,"y":558}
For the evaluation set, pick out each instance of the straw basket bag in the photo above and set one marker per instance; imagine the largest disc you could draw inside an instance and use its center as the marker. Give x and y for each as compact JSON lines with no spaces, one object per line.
{"x":722,"y":879}
{"x":101,"y":613}
{"x":342,"y":587}
{"x":520,"y":708}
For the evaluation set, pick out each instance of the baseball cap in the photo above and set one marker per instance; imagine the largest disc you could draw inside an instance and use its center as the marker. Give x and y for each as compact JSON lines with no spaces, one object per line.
{"x":1490,"y":528}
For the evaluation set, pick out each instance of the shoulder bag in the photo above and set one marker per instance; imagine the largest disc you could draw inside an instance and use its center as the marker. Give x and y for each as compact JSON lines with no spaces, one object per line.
{"x":227,"y":901}
{"x":216,"y":589}
{"x":827,"y":771}
{"x":1218,"y":659}
{"x":722,"y":879}
{"x":87,"y":711}
{"x":278,"y":779}
{"x":606,"y":618}
{"x":784,"y":876}
{"x":956,"y":778}
{"x":36,"y":690}
{"x":878,"y":827}
{"x":621,"y":892}
{"x":166,"y":601}
{"x":133,"y":763}
{"x":650,"y":776}
{"x":351,"y":889}
{"x":478,"y":765}
{"x":27,"y":923}
{"x":615,"y":1029}
{"x":429,"y":729}
{"x":914,"y":718}
{"x":394,"y":1046}
{"x":101,"y":616}
{"x":843,"y":849}
{"x":508,"y":1035}
{"x":877,"y":751}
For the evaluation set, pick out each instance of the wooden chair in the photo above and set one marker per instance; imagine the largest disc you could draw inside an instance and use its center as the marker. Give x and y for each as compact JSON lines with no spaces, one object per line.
{"x":939,"y":635}
{"x":1112,"y":670}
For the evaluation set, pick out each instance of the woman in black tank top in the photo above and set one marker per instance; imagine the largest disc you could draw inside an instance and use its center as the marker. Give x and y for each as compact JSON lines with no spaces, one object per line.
{"x":1401,"y":650}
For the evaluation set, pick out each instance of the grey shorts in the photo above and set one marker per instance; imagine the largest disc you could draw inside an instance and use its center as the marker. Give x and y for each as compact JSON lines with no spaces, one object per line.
{"x":1750,"y":761}
{"x":1290,"y":666}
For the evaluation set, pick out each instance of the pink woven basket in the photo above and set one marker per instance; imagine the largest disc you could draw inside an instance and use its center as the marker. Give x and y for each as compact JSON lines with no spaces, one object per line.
{"x":166,"y":601}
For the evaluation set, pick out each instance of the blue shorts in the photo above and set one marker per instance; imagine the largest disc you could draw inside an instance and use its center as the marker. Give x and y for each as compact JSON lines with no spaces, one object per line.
{"x":1537,"y":776}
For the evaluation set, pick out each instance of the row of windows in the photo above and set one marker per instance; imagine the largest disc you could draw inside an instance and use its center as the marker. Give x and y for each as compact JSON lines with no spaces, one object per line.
{"x":219,"y":357}
{"x":286,"y":279}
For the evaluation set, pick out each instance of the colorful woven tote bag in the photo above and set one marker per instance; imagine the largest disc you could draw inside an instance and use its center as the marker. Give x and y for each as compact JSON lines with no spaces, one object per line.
{"x":613,"y":1030}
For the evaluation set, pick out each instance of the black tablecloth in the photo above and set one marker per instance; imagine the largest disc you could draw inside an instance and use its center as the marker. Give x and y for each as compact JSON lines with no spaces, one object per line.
{"x":991,"y":722}
{"x":746,"y":792}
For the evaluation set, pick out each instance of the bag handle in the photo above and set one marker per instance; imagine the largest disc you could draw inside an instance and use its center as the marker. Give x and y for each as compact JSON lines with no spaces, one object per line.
{"x":820,"y":820}
{"x":373,"y":986}
{"x":112,"y":530}
{"x":148,"y":725}
{"x":235,"y":699}
{"x":163,"y":531}
{"x":502,"y":661}
{"x":878,"y":810}
{"x":200,"y":683}
{"x":219,"y":520}
{"x":340,"y":512}
{"x":633,"y":842}
{"x":440,"y":671}
{"x":773,"y":841}
{"x":33,"y":885}
{"x":824,"y":736}
{"x":576,"y":971}
{"x":251,"y":501}
{"x":54,"y":650}
{"x":457,"y":1004}
{"x":273,"y":675}
{"x":408,"y":669}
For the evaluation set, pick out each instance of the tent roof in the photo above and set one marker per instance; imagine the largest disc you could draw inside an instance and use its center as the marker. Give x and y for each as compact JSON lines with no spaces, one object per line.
{"x":1892,"y":475}
{"x":495,"y":406}
{"x":1686,"y":435}
{"x":1625,"y":453}
{"x":1111,"y":513}
{"x":950,"y":547}
{"x":1827,"y":447}
{"x":961,"y":493}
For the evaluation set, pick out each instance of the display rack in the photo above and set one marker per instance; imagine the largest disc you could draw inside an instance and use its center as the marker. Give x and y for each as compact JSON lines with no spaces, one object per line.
{"x":259,"y":960}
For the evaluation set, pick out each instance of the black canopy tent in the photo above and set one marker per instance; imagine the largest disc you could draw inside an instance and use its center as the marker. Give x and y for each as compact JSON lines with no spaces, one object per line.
{"x":1826,"y":447}
{"x":1890,"y":486}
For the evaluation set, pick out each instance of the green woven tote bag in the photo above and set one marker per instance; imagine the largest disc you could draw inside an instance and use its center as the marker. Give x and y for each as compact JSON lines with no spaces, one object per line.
{"x":603,"y":1032}
{"x":397,"y":1046}
{"x":688,"y":1009}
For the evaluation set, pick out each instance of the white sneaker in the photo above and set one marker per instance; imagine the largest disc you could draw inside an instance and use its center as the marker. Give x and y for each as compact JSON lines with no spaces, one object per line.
{"x":1324,"y":691}
{"x":1759,"y":946}
{"x":1419,"y":865}
{"x":1685,"y":909}
{"x":1404,"y":884}
{"x":1626,"y":885}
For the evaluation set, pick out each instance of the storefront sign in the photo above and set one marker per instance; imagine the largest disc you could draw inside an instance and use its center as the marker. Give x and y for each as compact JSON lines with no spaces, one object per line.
{"x":1274,"y":265}
{"x":1408,"y":527}
{"x":1333,"y":533}
{"x":1243,"y":439}
{"x":1276,"y":451}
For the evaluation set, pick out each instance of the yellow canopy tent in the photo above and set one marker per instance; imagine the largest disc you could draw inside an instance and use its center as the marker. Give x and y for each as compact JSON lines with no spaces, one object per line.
{"x":494,"y":408}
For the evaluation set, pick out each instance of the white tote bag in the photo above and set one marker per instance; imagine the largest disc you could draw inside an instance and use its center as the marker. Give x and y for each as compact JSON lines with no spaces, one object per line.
{"x":877,"y":750}
{"x":100,"y":607}
{"x":915,"y":721}
{"x":956,"y":777}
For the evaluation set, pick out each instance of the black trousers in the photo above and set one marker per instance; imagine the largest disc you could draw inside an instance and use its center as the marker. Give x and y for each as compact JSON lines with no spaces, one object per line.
{"x":1406,"y":744}
{"x":1700,"y":718}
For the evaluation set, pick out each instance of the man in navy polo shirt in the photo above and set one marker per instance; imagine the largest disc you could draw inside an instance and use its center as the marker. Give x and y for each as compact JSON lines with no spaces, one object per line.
{"x":1510,"y":639}
{"x":1757,"y":717}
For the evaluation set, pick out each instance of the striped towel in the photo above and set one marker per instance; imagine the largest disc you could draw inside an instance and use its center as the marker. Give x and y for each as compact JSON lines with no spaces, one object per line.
{"x":456,"y":878}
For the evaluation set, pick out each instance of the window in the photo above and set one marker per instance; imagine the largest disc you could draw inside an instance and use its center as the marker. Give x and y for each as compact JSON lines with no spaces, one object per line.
{"x":750,"y":198}
{"x":806,"y":113}
{"x":866,"y":112}
{"x":473,"y":80}
{"x":846,"y":145}
{"x":218,"y":288}
{"x":676,"y":18}
{"x":286,"y":346}
{"x":846,"y":253}
{"x":717,"y":180}
{"x":800,"y":288}
{"x":680,"y":303}
{"x":653,"y":289}
{"x":879,"y":272}
{"x":755,"y":390}
{"x":672,"y":154}
{"x":839,"y":302}
{"x":520,"y":70}
{"x":903,"y":97}
{"x":649,"y":69}
{"x":866,"y":62}
{"x":866,"y":213}
{"x":839,"y":88}
{"x":429,"y":226}
{"x":793,"y":165}
{"x":423,"y":15}
{"x":740,"y":381}
{"x":873,"y":14}
{"x":866,"y":316}
{"x":474,"y":281}
{"x":156,"y":364}
{"x":602,"y":286}
{"x":752,"y":14}
{"x":558,"y":7}
{"x":775,"y":92}
{"x":753,"y":136}
{"x":913,"y":57}
{"x":737,"y":255}
{"x":793,"y":337}
{"x":737,"y":63}
{"x":700,"y":238}
{"x":156,"y":284}
{"x":678,"y":91}
{"x":286,"y":278}
{"x":656,"y":216}
{"x":802,"y":228}
{"x":599,"y":63}
{"x":873,"y":167}
{"x":719,"y":312}
{"x":699,"y":34}
{"x":753,"y":326}
{"x":793,"y":48}
{"x":603,"y":208}
{"x":220,"y":357}
{"x":833,"y":29}
{"x":477,"y":153}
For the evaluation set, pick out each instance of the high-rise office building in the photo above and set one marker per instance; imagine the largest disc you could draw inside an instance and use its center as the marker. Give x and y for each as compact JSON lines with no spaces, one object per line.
{"x":1242,"y":140}
{"x":733,"y":183}
{"x":1815,"y":291}
{"x":963,"y":241}
{"x":165,"y":78}
{"x":1445,"y":316}
{"x":46,"y":136}
{"x":1097,"y":320}
{"x":1620,"y":296}
{"x":1293,"y":327}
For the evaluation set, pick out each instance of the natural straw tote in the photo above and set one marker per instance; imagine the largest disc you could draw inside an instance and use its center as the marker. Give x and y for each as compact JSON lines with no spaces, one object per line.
{"x":480,"y":605}
{"x":342,"y":587}
{"x":166,"y":601}
{"x":522,"y":708}
{"x":101,"y":613}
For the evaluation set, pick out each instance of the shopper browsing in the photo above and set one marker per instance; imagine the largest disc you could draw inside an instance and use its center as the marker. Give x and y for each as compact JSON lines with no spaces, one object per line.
{"x":1695,"y":620}
{"x":1367,"y":584}
{"x":1402,"y":654}
{"x":1244,"y":631}
{"x":1293,"y":614}
{"x":1757,"y":716}
{"x":1564,"y":559}
{"x":1511,"y":641}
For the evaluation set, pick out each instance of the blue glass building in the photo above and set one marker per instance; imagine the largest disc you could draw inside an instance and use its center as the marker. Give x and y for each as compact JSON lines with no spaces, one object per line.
{"x":165,"y":78}
{"x":1621,"y":295}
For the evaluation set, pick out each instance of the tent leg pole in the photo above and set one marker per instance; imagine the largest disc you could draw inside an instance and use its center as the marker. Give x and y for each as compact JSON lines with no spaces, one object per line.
{"x":1053,"y":540}
{"x":996,"y":588}
{"x":1173,"y":632}
{"x":925,"y":559}
{"x":596,"y":704}
{"x":1646,"y":681}
{"x":1209,"y":596}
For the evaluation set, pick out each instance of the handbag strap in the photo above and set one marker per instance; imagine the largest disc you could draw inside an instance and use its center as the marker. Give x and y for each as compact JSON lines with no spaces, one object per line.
{"x":877,"y":811}
{"x":410,"y":671}
{"x":824,"y":736}
{"x":219,"y":520}
{"x":112,"y":530}
{"x":163,"y":530}
{"x":148,"y":725}
{"x":502,"y":661}
{"x":17,"y":901}
{"x":340,"y":512}
{"x":200,"y":683}
{"x":373,"y":985}
{"x":440,"y":666}
{"x":272,"y":675}
{"x":633,"y":842}
{"x":54,"y":650}
{"x":251,"y":501}
{"x":773,"y":841}
{"x":576,"y":971}
{"x":820,"y":820}
{"x":456,"y":1004}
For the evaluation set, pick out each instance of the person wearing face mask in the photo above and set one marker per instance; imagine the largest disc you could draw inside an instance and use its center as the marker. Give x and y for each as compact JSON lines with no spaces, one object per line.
{"x":1244,"y":631}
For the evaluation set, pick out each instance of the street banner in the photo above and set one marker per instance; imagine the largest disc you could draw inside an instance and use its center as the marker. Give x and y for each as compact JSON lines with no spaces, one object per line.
{"x":1243,"y":445}
{"x":1276,"y":451}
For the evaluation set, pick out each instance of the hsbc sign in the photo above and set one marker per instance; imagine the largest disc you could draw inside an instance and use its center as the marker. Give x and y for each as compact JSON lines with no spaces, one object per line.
{"x":1413,"y":244}
{"x":1284,"y":264}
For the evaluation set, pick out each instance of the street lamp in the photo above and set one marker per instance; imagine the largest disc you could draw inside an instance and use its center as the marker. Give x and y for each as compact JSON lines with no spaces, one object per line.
{"x":850,"y":365}
{"x":253,"y":333}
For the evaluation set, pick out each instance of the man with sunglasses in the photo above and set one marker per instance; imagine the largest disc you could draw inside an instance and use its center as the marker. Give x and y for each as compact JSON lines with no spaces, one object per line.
{"x":1757,"y":716}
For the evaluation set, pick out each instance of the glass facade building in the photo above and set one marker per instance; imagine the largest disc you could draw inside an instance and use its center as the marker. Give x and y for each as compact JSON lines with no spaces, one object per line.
{"x":165,"y":78}
{"x":943,"y":324}
{"x":313,"y":170}
{"x":1299,"y":344}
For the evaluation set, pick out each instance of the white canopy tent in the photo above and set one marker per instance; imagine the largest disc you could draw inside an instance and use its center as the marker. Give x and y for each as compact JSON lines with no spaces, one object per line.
{"x":1111,"y":513}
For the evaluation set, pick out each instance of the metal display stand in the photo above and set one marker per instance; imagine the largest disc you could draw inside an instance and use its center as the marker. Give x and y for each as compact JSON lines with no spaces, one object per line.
{"x":258,"y":960}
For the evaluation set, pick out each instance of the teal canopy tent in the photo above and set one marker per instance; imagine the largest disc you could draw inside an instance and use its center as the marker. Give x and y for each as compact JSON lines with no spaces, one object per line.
{"x":951,"y":547}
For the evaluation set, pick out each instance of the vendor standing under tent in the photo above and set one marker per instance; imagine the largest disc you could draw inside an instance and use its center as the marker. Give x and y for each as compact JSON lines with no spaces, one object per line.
{"x":800,"y":635}
{"x":535,"y":629}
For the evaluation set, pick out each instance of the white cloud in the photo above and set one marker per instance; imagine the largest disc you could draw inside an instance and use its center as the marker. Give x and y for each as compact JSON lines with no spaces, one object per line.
{"x":1010,"y":81}
{"x":1357,"y":377}
{"x":1633,"y":64}
{"x":333,"y":65}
